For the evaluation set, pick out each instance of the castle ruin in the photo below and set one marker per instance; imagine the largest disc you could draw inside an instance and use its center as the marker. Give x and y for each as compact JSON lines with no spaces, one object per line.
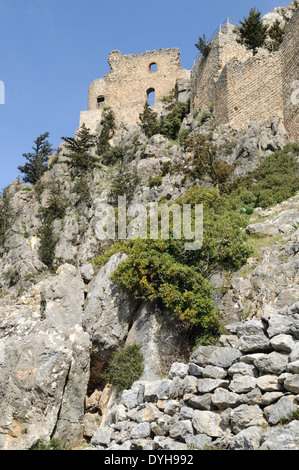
{"x":132,"y":81}
{"x":262,"y":86}
{"x":241,"y":87}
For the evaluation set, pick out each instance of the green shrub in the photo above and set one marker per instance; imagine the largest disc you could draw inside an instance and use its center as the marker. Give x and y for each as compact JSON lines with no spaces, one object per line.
{"x":163,"y":271}
{"x":274,"y":181}
{"x":125,"y":368}
{"x":204,"y":117}
{"x":152,"y":272}
{"x":112,"y":156}
{"x":56,"y":204}
{"x":123,"y":184}
{"x":170,"y":125}
{"x":155,"y":181}
{"x":55,"y":444}
{"x":205,"y":162}
{"x":148,"y":121}
{"x":291,"y":417}
{"x":276,"y":34}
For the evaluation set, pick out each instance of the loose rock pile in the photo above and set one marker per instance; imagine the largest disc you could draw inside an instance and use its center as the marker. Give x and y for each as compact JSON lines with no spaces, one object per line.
{"x":241,"y":394}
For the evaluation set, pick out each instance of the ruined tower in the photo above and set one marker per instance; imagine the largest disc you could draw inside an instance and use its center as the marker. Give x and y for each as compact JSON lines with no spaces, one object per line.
{"x":132,"y":81}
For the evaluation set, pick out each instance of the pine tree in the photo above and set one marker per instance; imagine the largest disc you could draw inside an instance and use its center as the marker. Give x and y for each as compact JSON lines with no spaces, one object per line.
{"x":107,"y":132}
{"x":47,"y":243}
{"x":276,"y":33}
{"x":4,"y":216}
{"x":252,"y":33}
{"x":203,"y":46}
{"x":37,"y":162}
{"x":79,"y":147}
{"x":149,"y":121}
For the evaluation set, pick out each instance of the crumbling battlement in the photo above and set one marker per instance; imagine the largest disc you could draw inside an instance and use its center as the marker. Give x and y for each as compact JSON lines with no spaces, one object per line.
{"x":131,"y":82}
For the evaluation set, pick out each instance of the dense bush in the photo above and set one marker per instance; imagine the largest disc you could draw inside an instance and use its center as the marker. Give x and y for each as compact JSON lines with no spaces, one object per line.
{"x":153,"y":272}
{"x":123,"y":184}
{"x":203,"y":46}
{"x":205,"y":162}
{"x":164,"y":272}
{"x":276,"y":180}
{"x":81,"y":188}
{"x":276,"y":34}
{"x":155,"y":181}
{"x":113,"y":155}
{"x":55,"y":209}
{"x":168,"y":126}
{"x":125,"y":368}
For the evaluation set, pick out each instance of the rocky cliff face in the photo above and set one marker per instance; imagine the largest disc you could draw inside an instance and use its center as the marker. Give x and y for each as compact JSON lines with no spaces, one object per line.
{"x":59,"y":329}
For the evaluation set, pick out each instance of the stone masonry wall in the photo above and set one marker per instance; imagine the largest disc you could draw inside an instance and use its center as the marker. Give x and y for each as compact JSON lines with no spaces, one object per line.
{"x":250,"y":91}
{"x":263,"y":87}
{"x":206,"y":71}
{"x":130,"y":79}
{"x":290,"y":64}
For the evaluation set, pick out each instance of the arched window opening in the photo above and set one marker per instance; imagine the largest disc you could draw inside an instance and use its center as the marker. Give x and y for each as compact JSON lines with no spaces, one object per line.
{"x":151,"y":98}
{"x":153,"y":67}
{"x":100,"y":101}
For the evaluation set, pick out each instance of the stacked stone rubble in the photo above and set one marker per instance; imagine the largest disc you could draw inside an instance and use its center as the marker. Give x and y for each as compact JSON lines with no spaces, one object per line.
{"x":240,"y":394}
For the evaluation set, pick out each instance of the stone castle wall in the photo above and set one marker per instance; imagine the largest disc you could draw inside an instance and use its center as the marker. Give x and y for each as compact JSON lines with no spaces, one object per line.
{"x":241,"y":87}
{"x":290,"y":72}
{"x":207,"y":70}
{"x":262,"y":87}
{"x":125,"y":89}
{"x":250,"y":91}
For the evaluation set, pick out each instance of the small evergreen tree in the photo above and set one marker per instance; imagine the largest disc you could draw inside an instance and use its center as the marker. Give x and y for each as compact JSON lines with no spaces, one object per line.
{"x":47,"y":243}
{"x":37,"y":161}
{"x":252,"y":33}
{"x":276,"y":34}
{"x":107,"y":132}
{"x":80,"y":156}
{"x":149,"y":121}
{"x":4,"y":217}
{"x":171,"y":124}
{"x":203,"y":46}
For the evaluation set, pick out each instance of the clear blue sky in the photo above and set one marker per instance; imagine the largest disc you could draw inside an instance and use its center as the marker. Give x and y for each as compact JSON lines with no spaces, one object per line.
{"x":50,"y":50}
